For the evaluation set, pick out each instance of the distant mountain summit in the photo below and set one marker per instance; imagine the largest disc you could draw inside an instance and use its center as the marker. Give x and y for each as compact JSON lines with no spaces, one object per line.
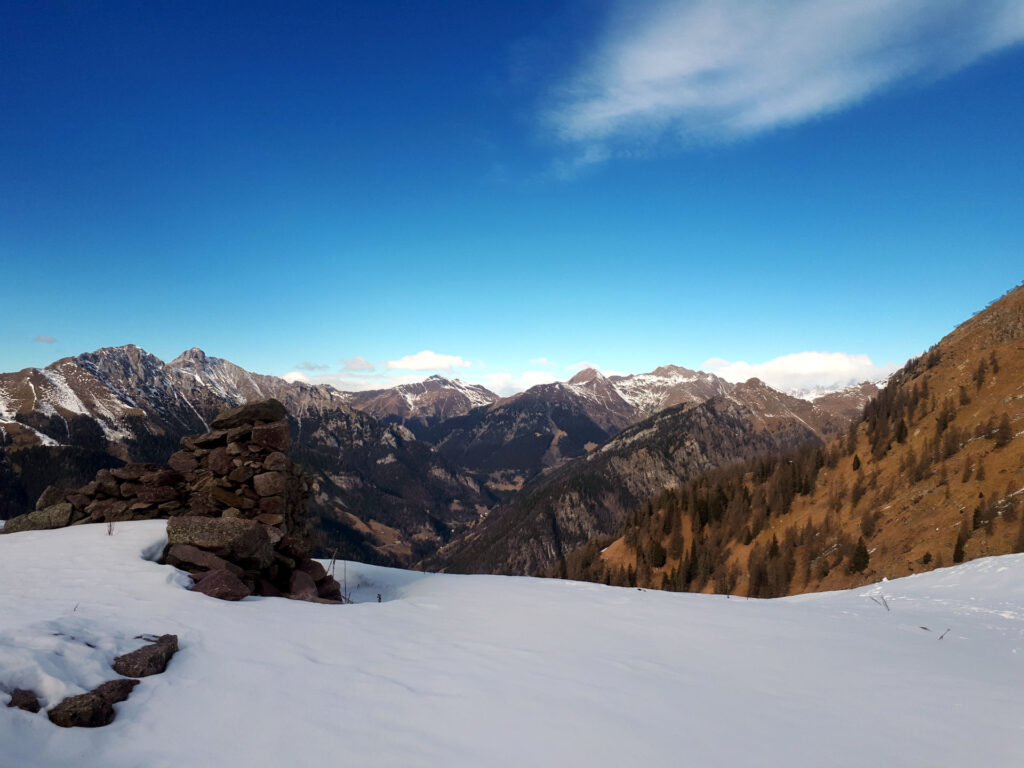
{"x":516,"y":438}
{"x":666,"y":387}
{"x":845,"y":403}
{"x":425,"y":403}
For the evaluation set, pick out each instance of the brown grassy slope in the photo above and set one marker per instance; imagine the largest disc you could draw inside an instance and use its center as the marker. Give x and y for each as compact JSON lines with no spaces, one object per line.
{"x":956,"y":468}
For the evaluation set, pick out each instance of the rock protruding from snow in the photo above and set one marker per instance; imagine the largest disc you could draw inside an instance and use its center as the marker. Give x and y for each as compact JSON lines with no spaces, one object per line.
{"x":222,"y":584}
{"x":96,"y":708}
{"x":150,"y":659}
{"x":87,"y":710}
{"x":53,"y":516}
{"x":120,"y":689}
{"x":22,"y":698}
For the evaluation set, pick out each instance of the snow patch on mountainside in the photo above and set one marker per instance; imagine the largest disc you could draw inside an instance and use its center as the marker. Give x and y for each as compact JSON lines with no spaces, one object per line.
{"x":43,"y":439}
{"x":220,"y":381}
{"x":474,"y":394}
{"x":811,"y":394}
{"x":7,"y":408}
{"x":647,"y":391}
{"x":60,"y":394}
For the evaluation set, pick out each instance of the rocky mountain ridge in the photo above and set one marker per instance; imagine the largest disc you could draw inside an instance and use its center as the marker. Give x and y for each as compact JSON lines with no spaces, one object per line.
{"x":424,"y":403}
{"x":594,"y":494}
{"x":520,"y":437}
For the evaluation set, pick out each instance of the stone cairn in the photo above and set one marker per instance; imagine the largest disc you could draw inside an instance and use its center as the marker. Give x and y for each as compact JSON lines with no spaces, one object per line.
{"x":235,"y":503}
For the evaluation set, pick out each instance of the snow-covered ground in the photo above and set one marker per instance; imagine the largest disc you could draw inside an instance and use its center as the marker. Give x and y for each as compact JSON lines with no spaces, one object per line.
{"x":496,"y":671}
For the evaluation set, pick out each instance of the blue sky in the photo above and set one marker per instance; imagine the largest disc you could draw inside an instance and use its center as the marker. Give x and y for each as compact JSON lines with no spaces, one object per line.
{"x":368,"y":192}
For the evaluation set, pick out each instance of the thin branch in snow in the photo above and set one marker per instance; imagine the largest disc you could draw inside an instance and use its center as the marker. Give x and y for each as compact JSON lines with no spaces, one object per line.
{"x":880,"y":603}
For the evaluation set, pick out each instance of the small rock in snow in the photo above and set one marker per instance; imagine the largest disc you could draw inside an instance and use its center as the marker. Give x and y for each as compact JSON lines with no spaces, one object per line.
{"x":149,"y":659}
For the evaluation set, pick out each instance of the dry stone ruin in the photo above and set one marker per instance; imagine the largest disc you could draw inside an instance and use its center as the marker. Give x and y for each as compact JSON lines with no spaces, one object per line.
{"x":235,"y":503}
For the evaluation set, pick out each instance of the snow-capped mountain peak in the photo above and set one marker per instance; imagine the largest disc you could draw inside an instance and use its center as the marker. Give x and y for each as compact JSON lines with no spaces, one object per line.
{"x":667,"y":386}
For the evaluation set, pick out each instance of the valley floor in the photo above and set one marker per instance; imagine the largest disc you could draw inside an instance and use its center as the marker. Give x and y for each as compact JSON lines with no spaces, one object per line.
{"x":499,"y":671}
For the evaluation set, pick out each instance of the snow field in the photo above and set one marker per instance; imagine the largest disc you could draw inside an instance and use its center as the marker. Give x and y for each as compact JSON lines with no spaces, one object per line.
{"x":503,"y":671}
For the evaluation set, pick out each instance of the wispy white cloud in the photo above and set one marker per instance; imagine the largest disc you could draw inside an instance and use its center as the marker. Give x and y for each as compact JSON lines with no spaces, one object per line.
{"x":357,"y":363}
{"x":293,"y":376}
{"x":44,"y":339}
{"x":543,"y":361}
{"x":582,"y":365}
{"x":803,"y":370}
{"x":501,"y":383}
{"x":564,"y":169}
{"x":505,"y":383}
{"x":308,"y":366}
{"x":718,"y":70}
{"x":428,"y":361}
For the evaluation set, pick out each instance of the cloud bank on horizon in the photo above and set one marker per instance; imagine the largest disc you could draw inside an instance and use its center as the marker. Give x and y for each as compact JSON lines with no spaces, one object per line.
{"x":792,"y":372}
{"x":803,"y":370}
{"x":720,"y":70}
{"x":428,"y":361}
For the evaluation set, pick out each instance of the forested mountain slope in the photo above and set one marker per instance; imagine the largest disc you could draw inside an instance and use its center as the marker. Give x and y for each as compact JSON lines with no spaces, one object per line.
{"x":595,"y":494}
{"x":931,"y":474}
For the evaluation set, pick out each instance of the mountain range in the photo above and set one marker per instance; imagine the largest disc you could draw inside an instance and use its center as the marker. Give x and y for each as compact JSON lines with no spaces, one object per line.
{"x":593,"y":495}
{"x":411,"y":473}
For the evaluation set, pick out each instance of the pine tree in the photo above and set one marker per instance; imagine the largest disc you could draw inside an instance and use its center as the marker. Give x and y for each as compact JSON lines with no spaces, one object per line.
{"x":868,"y":523}
{"x":669,"y":521}
{"x":1018,"y":544}
{"x":1004,"y":432}
{"x":656,"y":554}
{"x":958,"y":548}
{"x":860,"y":557}
{"x":965,"y":398}
{"x":675,"y":542}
